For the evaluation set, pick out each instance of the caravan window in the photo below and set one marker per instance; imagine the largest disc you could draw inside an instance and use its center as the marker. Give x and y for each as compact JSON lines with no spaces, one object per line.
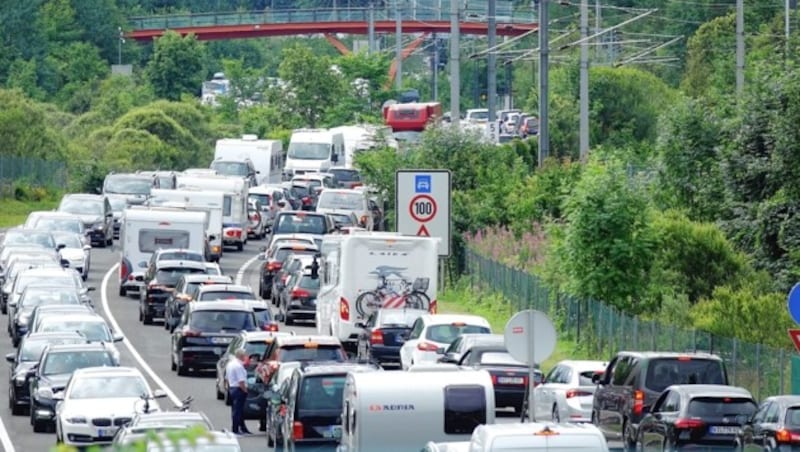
{"x":226,"y":206}
{"x":464,"y":409}
{"x":153,"y":239}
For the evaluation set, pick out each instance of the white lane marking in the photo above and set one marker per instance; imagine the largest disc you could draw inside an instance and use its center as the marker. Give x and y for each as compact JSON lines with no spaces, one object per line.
{"x":142,"y":363}
{"x":5,"y":440}
{"x":243,"y":268}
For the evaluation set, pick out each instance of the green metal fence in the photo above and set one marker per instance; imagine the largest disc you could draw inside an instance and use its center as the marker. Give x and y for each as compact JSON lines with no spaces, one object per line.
{"x":31,"y":171}
{"x":600,"y":330}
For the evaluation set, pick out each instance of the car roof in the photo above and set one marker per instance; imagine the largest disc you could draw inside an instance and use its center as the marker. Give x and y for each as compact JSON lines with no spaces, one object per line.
{"x":654,"y":354}
{"x":85,"y":196}
{"x":227,"y":305}
{"x":64,"y":307}
{"x":181,"y":263}
{"x":199,"y":277}
{"x":82,"y":347}
{"x":120,"y":370}
{"x":53,"y":335}
{"x":161,"y":251}
{"x":55,"y":214}
{"x":335,"y":368}
{"x":217,"y":438}
{"x":82,"y":316}
{"x":344,"y":191}
{"x":48,"y":271}
{"x":225,"y":288}
{"x":302,"y":339}
{"x":250,"y":336}
{"x":693,"y":390}
{"x":444,"y":319}
{"x":263,"y":190}
{"x":166,"y":416}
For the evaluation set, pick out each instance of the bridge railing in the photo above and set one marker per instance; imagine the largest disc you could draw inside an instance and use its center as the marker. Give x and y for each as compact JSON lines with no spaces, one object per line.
{"x":426,"y":12}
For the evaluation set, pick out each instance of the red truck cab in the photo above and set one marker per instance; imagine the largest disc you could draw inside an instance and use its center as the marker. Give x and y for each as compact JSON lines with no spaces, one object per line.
{"x":412,"y":117}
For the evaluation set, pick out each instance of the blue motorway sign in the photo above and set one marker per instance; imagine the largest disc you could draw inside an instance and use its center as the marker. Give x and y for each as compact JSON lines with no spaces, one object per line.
{"x":422,"y":183}
{"x":794,"y":303}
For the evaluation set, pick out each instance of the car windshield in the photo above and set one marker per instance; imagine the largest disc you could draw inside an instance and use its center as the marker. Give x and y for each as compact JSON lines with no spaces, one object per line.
{"x":180,"y":256}
{"x":309,"y":151}
{"x":32,"y":238}
{"x":68,"y":362}
{"x":92,"y":330}
{"x":301,"y":224}
{"x":117,"y":204}
{"x":342,"y":219}
{"x":282,"y":253}
{"x":664,"y":372}
{"x":81,"y":207}
{"x":47,"y":296}
{"x":445,"y":334}
{"x":339,"y":200}
{"x":32,"y":348}
{"x":59,"y":224}
{"x":323,"y":392}
{"x":256,"y":347}
{"x":307,"y":282}
{"x":107,"y":387}
{"x":717,"y":407}
{"x":230,"y":168}
{"x":299,"y":191}
{"x":226,"y":295}
{"x":169,"y":276}
{"x":128,"y":185}
{"x":54,"y":280}
{"x":263,"y":316}
{"x":222,"y":321}
{"x":263,"y":199}
{"x":69,"y":240}
{"x":345,"y":175}
{"x":311,"y":352}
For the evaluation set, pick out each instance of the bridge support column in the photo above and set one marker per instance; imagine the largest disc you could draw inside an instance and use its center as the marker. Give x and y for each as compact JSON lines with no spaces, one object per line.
{"x":337,"y":43}
{"x":408,"y":50}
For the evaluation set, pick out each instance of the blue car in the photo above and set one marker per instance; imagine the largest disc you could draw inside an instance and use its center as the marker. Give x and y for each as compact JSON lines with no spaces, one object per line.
{"x":384,"y":332}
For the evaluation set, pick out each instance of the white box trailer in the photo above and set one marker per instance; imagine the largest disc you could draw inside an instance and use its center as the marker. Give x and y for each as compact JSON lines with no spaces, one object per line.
{"x":363,"y":272}
{"x":266,"y":155}
{"x":206,"y":200}
{"x":404,"y":410}
{"x":234,"y":205}
{"x":313,"y":151}
{"x":144,"y":230}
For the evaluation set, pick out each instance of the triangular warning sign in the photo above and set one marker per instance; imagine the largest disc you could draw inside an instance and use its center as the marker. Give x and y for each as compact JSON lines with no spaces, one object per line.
{"x":423,"y":231}
{"x":794,"y":333}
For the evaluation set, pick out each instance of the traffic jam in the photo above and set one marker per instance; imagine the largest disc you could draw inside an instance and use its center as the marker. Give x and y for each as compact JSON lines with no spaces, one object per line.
{"x":264,"y":292}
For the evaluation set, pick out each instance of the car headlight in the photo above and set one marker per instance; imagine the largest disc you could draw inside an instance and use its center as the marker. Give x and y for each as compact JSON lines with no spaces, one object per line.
{"x":98,"y":226}
{"x":23,"y":319}
{"x":76,"y":419}
{"x":20,"y":379}
{"x":44,"y":393}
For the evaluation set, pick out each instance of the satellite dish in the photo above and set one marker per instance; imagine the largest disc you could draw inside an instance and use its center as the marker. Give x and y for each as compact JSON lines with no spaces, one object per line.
{"x":530,"y":337}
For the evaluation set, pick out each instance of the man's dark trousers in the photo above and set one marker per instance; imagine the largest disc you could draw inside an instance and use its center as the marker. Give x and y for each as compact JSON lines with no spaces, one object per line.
{"x":238,"y":399}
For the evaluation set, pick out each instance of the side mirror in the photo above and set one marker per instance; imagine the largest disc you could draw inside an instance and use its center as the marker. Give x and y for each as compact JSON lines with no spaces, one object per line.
{"x":262,"y":257}
{"x":159,"y":394}
{"x":281,"y":203}
{"x":143,"y":264}
{"x":11,"y":357}
{"x":361,"y":324}
{"x":118,"y":337}
{"x":262,"y":249}
{"x":597,"y":377}
{"x":91,"y":289}
{"x":335,"y":158}
{"x":87,"y":247}
{"x":440,"y":351}
{"x":212,"y":237}
{"x":109,"y":214}
{"x":99,"y":190}
{"x":60,"y":247}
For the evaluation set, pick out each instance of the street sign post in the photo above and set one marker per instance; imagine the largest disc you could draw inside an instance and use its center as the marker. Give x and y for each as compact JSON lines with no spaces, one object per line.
{"x":793,"y":303}
{"x":491,"y":132}
{"x":422,"y":205}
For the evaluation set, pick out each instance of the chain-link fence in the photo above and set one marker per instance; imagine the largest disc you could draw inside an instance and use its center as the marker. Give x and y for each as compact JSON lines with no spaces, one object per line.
{"x":32,"y":172}
{"x":600,"y":330}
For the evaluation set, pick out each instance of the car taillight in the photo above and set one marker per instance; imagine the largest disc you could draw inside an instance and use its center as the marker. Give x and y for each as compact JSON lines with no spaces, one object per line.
{"x":785,"y":436}
{"x":191,"y":333}
{"x":427,"y":347}
{"x":494,"y":379}
{"x":124,"y":271}
{"x":274,"y":266}
{"x":638,"y":402}
{"x":577,"y":393}
{"x":356,"y":184}
{"x":363,"y":220}
{"x":687,"y":423}
{"x":300,"y":293}
{"x":376,"y":338}
{"x":306,"y":200}
{"x":297,"y":430}
{"x":272,"y":326}
{"x":344,"y":309}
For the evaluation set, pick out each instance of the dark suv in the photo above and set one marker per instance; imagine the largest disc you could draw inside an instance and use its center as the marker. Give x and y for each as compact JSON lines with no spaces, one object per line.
{"x":159,"y":283}
{"x":96,"y":214}
{"x":273,"y":262}
{"x":634,"y":380}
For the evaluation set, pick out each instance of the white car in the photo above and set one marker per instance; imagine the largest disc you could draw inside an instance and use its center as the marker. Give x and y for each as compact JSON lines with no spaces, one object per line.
{"x":567,"y":392}
{"x":76,"y":253}
{"x":337,"y":200}
{"x":98,"y":401}
{"x":213,"y":268}
{"x":432,"y":333}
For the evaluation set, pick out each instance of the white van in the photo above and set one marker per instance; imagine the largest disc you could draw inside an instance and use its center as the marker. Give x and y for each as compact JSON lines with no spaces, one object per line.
{"x":234,"y":204}
{"x":362,"y":138}
{"x":313,"y":151}
{"x":444,"y":405}
{"x":528,"y":437}
{"x":144,"y":230}
{"x":266,"y":155}
{"x":206,"y":200}
{"x":366,"y":271}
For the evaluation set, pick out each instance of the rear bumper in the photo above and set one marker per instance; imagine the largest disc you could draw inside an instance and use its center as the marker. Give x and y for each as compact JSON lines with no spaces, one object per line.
{"x":233,"y":235}
{"x":201,"y":357}
{"x":385,"y":353}
{"x":509,"y":397}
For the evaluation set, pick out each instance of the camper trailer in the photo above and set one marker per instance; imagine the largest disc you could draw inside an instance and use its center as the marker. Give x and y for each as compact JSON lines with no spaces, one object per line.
{"x":203,"y":200}
{"x":266,"y":155}
{"x":234,"y":206}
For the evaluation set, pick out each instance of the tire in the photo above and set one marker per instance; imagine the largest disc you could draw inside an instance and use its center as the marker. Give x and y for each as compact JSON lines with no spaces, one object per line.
{"x":110,"y":241}
{"x":39,"y":426}
{"x":226,"y":398}
{"x":4,"y":308}
{"x":182,"y":370}
{"x":239,"y":246}
{"x":270,"y":441}
{"x":288,"y":320}
{"x":122,"y":291}
{"x":147,"y":319}
{"x":220,"y":395}
{"x":627,"y":435}
{"x":172,"y":365}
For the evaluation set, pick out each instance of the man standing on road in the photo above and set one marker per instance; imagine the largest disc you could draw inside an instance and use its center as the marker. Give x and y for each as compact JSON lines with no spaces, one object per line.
{"x":236,"y":375}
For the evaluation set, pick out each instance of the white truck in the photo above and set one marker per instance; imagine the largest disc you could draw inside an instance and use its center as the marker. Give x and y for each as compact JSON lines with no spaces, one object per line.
{"x":366,"y":271}
{"x":234,"y":205}
{"x":446,"y":404}
{"x":313,"y":151}
{"x":204,"y":200}
{"x":362,"y":138}
{"x":266,"y":155}
{"x":144,"y":230}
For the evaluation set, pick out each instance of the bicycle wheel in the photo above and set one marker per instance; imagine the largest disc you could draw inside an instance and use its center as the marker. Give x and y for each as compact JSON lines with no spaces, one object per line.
{"x":367,"y":303}
{"x":418,"y":300}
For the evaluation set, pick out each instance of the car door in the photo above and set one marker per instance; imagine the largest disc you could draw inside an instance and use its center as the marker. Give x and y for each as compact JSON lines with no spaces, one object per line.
{"x":542,"y":401}
{"x":770,"y":424}
{"x":407,"y":350}
{"x":752,"y":436}
{"x":621,"y":396}
{"x":290,"y":399}
{"x":651,"y":434}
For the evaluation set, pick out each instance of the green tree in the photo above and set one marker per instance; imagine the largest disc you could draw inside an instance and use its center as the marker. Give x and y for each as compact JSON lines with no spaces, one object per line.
{"x":22,"y":76}
{"x":176,"y":66}
{"x":710,"y":59}
{"x":25,"y":129}
{"x":313,"y":86}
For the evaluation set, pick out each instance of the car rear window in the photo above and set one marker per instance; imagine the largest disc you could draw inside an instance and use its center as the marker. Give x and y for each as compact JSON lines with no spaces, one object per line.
{"x":68,"y":362}
{"x":170,"y":276}
{"x":283,"y":253}
{"x":311,"y":353}
{"x":222,"y":321}
{"x":464,"y":409}
{"x":446,"y":334}
{"x":263,"y":199}
{"x":716,"y":407}
{"x":256,"y":347}
{"x":323,"y":392}
{"x":793,"y":417}
{"x":301,"y":224}
{"x":347,"y":175}
{"x":180,"y":256}
{"x":664,"y":372}
{"x":307,"y":282}
{"x":226,"y":295}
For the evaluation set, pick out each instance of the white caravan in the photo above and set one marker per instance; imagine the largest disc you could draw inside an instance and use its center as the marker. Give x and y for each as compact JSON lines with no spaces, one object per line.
{"x":362,"y":138}
{"x":205,"y":200}
{"x":266,"y":155}
{"x":313,"y":151}
{"x":144,"y":230}
{"x":234,"y":205}
{"x":363,"y":272}
{"x":446,"y":404}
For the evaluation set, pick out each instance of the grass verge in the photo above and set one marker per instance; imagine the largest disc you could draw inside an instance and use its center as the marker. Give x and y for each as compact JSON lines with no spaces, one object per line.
{"x":14,"y":212}
{"x":463,"y":299}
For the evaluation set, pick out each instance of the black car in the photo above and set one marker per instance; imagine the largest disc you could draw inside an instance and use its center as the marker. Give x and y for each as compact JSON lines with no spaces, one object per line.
{"x":696,"y":416}
{"x":53,"y":371}
{"x":273,"y":262}
{"x":160,"y":280}
{"x":313,"y":398}
{"x":634,"y":380}
{"x":384,"y":332}
{"x":95,"y":212}
{"x":290,"y":264}
{"x":23,"y":360}
{"x":454,"y":352}
{"x":306,"y":193}
{"x":347,"y":178}
{"x":298,"y":300}
{"x":177,"y":299}
{"x":205,"y":331}
{"x":33,"y":296}
{"x":775,"y":426}
{"x":509,"y":376}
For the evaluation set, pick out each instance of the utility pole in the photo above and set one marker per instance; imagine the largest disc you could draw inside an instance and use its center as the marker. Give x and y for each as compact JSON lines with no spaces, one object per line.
{"x":509,"y":81}
{"x":584,"y":83}
{"x":435,"y":68}
{"x":398,"y":30}
{"x":739,"y":47}
{"x":491,"y":61}
{"x":455,"y":64}
{"x":371,"y":27}
{"x":544,"y":54}
{"x":119,"y":45}
{"x":598,"y":21}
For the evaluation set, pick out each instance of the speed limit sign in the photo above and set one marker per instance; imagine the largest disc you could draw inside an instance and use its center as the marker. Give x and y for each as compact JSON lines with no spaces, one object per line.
{"x":423,"y":205}
{"x":422,"y":208}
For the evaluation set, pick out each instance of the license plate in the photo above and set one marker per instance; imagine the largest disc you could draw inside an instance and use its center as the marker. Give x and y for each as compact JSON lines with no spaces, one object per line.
{"x":510,"y":380}
{"x":220,"y":340}
{"x":106,"y":432}
{"x":716,"y":430}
